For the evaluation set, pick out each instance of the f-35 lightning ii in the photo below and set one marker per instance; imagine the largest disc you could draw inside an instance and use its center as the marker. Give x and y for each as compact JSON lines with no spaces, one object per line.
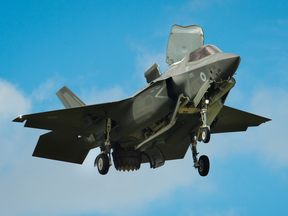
{"x":158,"y":123}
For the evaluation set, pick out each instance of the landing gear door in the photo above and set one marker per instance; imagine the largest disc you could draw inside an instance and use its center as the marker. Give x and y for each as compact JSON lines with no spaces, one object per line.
{"x":182,"y":41}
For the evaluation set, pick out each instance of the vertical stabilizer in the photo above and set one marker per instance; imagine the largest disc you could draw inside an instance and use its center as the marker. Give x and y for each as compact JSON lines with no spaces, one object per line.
{"x":68,"y":98}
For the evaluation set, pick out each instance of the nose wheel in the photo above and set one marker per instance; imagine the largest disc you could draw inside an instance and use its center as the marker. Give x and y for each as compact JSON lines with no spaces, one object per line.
{"x":205,"y":135}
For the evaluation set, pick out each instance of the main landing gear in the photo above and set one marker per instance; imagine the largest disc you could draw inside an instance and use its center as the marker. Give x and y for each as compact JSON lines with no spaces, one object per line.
{"x":103,"y":160}
{"x":203,"y":164}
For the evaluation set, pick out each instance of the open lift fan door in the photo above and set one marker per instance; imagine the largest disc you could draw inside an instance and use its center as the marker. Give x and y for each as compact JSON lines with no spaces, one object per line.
{"x":182,"y":41}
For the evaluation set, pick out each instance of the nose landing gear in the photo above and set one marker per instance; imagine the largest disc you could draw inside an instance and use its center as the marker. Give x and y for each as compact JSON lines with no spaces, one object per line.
{"x":205,"y":129}
{"x":203,"y":164}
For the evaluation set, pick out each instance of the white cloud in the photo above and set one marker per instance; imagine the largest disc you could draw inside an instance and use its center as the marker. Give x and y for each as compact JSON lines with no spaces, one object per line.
{"x":47,"y":91}
{"x":44,"y":90}
{"x":42,"y":187}
{"x":17,"y":144}
{"x":271,"y":139}
{"x":44,"y":97}
{"x":146,"y":59}
{"x":93,"y":95}
{"x":267,"y":142}
{"x":12,"y":101}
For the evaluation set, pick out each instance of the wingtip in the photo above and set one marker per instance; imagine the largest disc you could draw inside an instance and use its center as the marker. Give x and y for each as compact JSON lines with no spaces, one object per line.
{"x":267,"y":120}
{"x":19,"y":119}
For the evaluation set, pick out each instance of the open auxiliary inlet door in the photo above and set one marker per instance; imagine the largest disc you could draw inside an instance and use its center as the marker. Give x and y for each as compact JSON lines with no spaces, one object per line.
{"x":182,"y":41}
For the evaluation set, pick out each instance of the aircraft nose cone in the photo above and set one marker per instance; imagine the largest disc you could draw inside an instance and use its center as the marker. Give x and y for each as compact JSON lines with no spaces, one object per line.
{"x":228,"y":65}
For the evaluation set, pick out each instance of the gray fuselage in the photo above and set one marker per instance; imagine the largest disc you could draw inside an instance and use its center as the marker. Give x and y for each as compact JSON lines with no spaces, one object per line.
{"x":152,"y":104}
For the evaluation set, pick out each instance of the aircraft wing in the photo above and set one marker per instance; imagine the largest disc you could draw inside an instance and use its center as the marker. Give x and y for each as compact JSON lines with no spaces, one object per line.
{"x":72,"y":120}
{"x":233,"y":120}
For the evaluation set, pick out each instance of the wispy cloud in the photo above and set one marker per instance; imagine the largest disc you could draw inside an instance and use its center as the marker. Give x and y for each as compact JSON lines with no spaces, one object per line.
{"x":94,"y":95}
{"x":271,"y":139}
{"x":146,"y":59}
{"x":47,"y":90}
{"x":12,"y":101}
{"x":268,"y":141}
{"x":52,"y":188}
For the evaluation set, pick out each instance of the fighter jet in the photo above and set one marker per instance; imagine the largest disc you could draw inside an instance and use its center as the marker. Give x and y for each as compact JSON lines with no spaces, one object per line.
{"x":175,"y":110}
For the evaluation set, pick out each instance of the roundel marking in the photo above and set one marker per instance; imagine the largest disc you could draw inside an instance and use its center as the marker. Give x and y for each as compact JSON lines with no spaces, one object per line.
{"x":203,"y":76}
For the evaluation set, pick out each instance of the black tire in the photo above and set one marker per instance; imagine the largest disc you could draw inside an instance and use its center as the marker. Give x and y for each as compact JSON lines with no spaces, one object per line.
{"x":204,"y":165}
{"x":102,"y":164}
{"x":205,"y":135}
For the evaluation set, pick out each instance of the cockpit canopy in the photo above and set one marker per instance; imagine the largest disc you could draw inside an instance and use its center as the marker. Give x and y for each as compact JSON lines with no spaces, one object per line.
{"x":202,"y":52}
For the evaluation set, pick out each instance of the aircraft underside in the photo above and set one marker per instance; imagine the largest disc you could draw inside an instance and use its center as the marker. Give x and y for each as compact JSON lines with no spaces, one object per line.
{"x":194,"y":123}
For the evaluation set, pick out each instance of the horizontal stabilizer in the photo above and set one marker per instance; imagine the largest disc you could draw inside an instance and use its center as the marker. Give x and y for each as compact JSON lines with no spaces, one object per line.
{"x":68,"y":98}
{"x":60,"y":146}
{"x":233,"y":120}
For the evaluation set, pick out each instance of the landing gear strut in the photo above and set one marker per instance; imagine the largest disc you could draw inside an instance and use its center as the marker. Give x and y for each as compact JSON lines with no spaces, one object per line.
{"x":103,"y":160}
{"x":203,"y":164}
{"x":204,"y":129}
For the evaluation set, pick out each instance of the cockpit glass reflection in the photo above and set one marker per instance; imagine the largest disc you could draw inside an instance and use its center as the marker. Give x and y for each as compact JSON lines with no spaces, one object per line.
{"x":202,"y":52}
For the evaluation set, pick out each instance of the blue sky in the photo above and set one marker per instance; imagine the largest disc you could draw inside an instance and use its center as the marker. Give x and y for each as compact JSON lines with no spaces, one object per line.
{"x":100,"y":50}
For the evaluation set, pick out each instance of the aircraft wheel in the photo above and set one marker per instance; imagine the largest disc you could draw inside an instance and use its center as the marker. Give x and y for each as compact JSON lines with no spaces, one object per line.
{"x":204,"y":165}
{"x":102,"y":164}
{"x":205,"y":135}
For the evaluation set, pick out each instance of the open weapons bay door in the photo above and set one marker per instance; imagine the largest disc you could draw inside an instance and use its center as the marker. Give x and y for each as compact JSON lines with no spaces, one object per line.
{"x":182,"y":41}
